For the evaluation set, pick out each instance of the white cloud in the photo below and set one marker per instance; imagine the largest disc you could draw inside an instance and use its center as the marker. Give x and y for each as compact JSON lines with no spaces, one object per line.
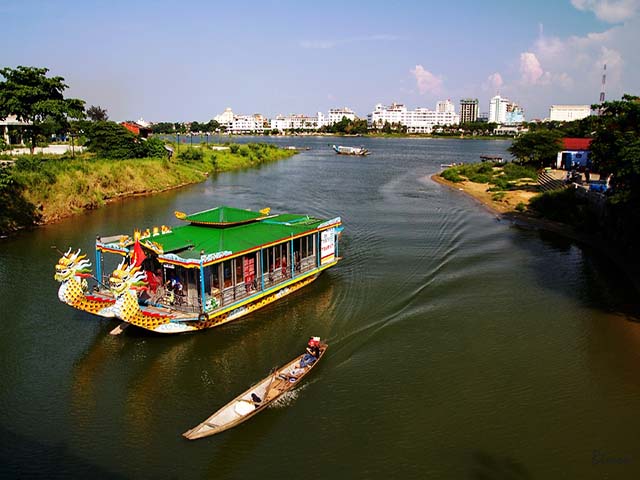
{"x":568,"y":70}
{"x":531,"y":71}
{"x":426,"y":81}
{"x":494,"y":82}
{"x":611,"y":11}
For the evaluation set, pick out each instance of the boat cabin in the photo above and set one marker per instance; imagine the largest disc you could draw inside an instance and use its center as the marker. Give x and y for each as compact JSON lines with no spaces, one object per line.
{"x":222,"y":258}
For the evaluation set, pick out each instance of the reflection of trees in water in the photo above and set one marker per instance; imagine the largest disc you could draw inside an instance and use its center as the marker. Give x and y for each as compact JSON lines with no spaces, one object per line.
{"x":561,"y":265}
{"x":88,"y":370}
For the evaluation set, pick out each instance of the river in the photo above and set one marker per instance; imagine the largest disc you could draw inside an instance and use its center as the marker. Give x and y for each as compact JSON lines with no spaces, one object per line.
{"x":460,"y":345}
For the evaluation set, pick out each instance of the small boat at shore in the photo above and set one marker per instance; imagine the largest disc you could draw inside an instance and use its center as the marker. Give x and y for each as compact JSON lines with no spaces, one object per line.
{"x":342,"y":150}
{"x":259,"y":396}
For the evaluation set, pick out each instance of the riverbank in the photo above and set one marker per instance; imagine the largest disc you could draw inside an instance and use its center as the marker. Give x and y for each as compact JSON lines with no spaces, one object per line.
{"x":505,"y":210}
{"x":59,"y":187}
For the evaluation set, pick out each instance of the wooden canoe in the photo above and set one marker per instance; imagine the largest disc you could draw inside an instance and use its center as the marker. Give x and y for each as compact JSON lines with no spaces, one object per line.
{"x":244,"y":406}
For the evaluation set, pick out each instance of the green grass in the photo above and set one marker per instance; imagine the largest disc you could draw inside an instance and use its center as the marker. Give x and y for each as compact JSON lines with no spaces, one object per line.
{"x":509,"y":176}
{"x":62,"y":186}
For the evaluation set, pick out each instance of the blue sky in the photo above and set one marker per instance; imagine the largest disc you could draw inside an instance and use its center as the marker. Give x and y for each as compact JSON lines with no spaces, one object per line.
{"x":168,"y":60}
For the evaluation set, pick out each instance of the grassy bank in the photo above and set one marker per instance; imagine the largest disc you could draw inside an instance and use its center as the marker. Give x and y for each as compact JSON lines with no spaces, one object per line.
{"x":45,"y":188}
{"x":503,"y":188}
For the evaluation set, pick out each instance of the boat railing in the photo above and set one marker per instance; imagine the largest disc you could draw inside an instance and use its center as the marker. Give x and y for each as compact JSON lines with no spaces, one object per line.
{"x":306,"y":264}
{"x":271,"y":279}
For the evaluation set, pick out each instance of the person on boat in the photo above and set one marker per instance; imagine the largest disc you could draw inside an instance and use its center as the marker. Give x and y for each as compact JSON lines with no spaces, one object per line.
{"x":313,"y":347}
{"x":313,"y":352}
{"x":153,"y":280}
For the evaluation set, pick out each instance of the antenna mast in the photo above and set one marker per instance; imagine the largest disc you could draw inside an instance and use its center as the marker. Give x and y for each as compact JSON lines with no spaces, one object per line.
{"x":604,"y":81}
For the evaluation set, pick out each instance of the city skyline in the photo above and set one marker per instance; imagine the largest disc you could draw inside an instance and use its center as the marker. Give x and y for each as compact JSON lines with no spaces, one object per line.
{"x":189,"y":62}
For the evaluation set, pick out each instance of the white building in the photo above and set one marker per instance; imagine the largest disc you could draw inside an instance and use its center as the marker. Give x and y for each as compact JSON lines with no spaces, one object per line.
{"x":568,"y":113}
{"x":297,"y":122}
{"x":12,"y":129}
{"x":337,"y":114}
{"x":420,"y":120}
{"x":445,"y":106}
{"x":498,"y":109}
{"x":225,"y":119}
{"x":504,"y":111}
{"x":247,"y":124}
{"x":394,"y":113}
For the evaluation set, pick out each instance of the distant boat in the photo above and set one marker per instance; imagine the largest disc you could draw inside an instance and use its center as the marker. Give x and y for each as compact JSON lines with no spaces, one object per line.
{"x":258,"y":397}
{"x":341,"y":150}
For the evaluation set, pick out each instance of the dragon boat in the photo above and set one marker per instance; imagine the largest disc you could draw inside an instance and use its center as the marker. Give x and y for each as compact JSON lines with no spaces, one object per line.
{"x":219,"y":265}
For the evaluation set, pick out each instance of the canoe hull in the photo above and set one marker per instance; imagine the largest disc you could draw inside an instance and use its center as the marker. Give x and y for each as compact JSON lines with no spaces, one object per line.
{"x":242,"y":408}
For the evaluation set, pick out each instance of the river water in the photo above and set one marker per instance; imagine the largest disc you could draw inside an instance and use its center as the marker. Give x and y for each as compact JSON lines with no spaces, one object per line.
{"x":460,"y":345}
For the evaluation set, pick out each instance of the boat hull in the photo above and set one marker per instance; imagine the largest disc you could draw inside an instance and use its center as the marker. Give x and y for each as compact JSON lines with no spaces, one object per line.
{"x":170,"y":321}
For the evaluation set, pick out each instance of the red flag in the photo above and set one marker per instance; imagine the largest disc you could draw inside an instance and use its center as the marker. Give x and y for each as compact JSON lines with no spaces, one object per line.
{"x":138,"y":256}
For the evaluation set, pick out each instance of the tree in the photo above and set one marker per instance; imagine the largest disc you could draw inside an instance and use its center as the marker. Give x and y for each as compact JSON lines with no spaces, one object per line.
{"x":212,"y":126}
{"x":97,"y":114}
{"x":615,"y":148}
{"x":33,"y":97}
{"x":196,"y":127}
{"x":538,"y":148}
{"x":162,"y":127}
{"x":111,"y":140}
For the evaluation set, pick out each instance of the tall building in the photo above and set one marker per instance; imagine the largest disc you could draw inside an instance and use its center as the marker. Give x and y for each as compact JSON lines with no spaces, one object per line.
{"x":469,"y":110}
{"x":568,"y":113}
{"x":445,"y":106}
{"x":502,"y":110}
{"x":498,"y":109}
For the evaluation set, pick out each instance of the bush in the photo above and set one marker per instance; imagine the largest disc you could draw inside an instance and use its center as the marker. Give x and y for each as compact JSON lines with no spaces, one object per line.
{"x":521,"y":207}
{"x":479,"y":178}
{"x":152,"y":148}
{"x":191,"y":153}
{"x":563,"y":206}
{"x":111,"y":140}
{"x":500,"y":183}
{"x":485,"y":167}
{"x":233,"y":148}
{"x":452,"y":175}
{"x":498,"y":196}
{"x":513,"y":171}
{"x":28,"y":163}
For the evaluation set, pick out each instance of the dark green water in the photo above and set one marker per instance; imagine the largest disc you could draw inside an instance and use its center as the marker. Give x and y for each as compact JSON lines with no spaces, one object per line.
{"x":460,"y":346}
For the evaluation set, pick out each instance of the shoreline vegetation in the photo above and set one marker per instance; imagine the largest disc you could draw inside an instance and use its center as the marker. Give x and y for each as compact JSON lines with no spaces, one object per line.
{"x":517,"y":204}
{"x":48,"y":188}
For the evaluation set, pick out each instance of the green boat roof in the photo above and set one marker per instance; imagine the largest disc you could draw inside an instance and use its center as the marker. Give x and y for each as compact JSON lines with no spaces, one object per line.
{"x":222,"y":216}
{"x":239,"y":231}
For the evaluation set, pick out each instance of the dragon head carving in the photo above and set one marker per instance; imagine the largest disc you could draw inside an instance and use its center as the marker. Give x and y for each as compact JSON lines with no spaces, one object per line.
{"x":126,"y":277}
{"x":72,"y":264}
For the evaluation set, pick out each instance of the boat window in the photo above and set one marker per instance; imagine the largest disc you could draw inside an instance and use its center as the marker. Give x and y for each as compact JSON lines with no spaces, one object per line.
{"x":215,"y":278}
{"x":226,"y":267}
{"x":277,"y":256}
{"x":249,"y":267}
{"x":239,"y":270}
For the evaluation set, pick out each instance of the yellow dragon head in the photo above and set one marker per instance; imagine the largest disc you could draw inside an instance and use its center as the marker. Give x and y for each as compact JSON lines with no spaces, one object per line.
{"x":72,"y":264}
{"x":126,"y":277}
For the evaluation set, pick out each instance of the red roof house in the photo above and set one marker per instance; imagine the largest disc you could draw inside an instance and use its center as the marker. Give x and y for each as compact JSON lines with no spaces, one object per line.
{"x":137,"y":129}
{"x":576,"y":144}
{"x":574,"y":153}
